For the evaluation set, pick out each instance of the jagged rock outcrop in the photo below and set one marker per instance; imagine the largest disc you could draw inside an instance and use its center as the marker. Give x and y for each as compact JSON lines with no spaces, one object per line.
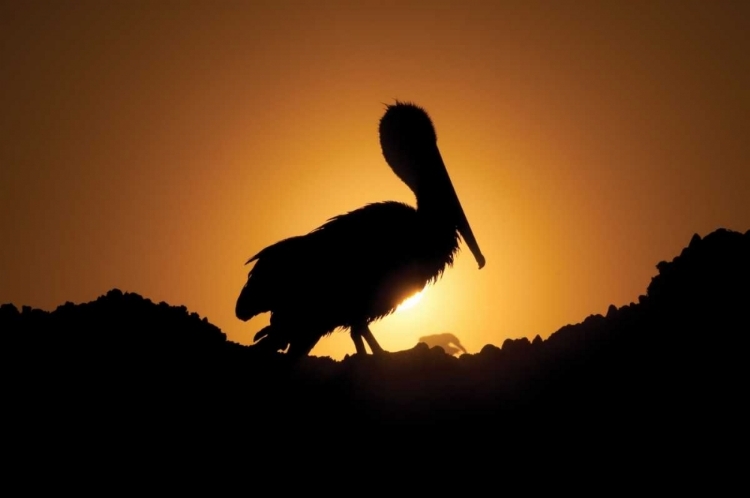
{"x":680,"y":346}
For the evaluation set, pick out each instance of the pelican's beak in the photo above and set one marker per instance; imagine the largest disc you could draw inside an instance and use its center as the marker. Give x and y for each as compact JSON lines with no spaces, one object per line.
{"x":462,"y":224}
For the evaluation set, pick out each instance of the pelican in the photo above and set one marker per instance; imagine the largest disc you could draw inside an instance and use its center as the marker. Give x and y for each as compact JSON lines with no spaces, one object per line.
{"x":358,"y":267}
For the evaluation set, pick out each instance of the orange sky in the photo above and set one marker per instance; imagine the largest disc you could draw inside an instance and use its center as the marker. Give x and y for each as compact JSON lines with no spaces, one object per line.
{"x":155,"y":146}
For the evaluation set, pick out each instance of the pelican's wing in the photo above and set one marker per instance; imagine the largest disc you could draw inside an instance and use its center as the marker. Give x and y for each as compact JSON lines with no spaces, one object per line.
{"x":334,"y":266}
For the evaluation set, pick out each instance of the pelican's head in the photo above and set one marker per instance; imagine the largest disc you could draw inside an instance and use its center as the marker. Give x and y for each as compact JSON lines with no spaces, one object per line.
{"x":409,"y":144}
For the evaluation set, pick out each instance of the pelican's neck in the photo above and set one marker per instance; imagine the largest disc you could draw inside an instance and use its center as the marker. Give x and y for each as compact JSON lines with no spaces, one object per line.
{"x":432,"y":202}
{"x":436,"y":214}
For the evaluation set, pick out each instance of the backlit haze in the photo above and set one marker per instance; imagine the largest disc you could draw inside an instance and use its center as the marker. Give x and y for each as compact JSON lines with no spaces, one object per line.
{"x":156,"y":146}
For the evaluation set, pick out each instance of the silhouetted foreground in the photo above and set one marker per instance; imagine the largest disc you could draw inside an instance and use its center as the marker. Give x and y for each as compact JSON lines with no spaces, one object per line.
{"x":671,"y":367}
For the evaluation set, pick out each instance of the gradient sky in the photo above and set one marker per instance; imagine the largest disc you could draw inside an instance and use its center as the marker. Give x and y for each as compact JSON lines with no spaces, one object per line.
{"x":155,"y":146}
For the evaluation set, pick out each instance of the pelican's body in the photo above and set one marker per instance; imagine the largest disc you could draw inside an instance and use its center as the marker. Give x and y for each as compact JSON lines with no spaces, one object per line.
{"x":358,"y":267}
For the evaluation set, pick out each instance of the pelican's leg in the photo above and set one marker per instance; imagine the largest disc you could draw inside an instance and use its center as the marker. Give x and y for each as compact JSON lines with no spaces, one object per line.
{"x":356,"y":333}
{"x":374,"y":346}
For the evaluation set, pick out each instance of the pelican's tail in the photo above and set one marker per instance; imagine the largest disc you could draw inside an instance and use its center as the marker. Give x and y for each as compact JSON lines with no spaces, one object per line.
{"x":269,"y":340}
{"x":250,"y":301}
{"x":255,"y":297}
{"x":266,"y":282}
{"x":275,"y":338}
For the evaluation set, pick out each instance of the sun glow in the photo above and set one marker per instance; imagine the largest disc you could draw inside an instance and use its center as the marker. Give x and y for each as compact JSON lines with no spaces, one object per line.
{"x":410,"y":302}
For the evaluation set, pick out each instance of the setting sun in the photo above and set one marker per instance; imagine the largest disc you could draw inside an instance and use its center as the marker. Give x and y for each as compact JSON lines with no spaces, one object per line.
{"x":410,"y":302}
{"x":575,"y":190}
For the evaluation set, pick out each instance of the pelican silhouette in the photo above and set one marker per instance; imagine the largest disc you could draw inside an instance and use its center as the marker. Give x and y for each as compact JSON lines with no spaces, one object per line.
{"x":358,"y":267}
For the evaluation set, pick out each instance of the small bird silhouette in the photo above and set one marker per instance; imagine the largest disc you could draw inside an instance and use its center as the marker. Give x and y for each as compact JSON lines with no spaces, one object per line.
{"x":358,"y":267}
{"x":449,"y":342}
